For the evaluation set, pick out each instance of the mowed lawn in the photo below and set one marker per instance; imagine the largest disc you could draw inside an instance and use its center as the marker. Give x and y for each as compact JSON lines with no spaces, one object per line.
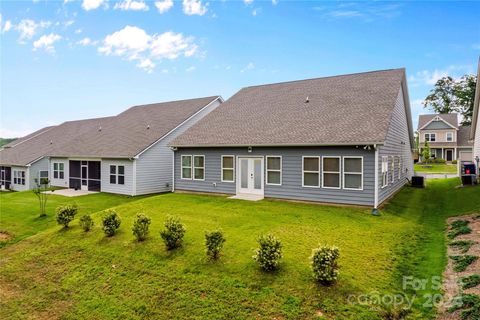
{"x":436,"y":168}
{"x":70,"y":274}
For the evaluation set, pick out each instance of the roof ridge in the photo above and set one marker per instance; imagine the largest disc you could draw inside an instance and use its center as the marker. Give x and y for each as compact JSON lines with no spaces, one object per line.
{"x":172,"y":101}
{"x":326,"y":77}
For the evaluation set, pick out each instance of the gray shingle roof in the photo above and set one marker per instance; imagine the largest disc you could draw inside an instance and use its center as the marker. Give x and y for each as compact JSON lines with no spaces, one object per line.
{"x":27,"y":137}
{"x":346,"y":109}
{"x":451,"y":118}
{"x":463,"y":136}
{"x":121,"y":136}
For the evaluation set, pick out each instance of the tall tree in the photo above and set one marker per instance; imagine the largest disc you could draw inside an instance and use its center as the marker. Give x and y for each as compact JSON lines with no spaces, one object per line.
{"x":450,"y":95}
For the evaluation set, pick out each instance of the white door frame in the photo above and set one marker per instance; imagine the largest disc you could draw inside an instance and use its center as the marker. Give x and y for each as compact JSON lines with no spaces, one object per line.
{"x":262,"y":175}
{"x":446,"y":154}
{"x":83,"y":187}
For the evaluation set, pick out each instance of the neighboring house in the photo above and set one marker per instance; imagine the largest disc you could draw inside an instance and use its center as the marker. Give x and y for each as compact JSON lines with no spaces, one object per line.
{"x":475,"y":130}
{"x":446,"y":138}
{"x":344,"y":139}
{"x":125,"y":154}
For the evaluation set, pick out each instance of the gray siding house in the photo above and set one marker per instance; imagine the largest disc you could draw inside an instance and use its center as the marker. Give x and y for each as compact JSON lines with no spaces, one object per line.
{"x":475,"y":128}
{"x":345,"y":139}
{"x":125,"y":154}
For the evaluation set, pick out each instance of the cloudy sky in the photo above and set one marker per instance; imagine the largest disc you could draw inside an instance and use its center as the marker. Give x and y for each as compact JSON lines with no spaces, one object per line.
{"x":67,"y":60}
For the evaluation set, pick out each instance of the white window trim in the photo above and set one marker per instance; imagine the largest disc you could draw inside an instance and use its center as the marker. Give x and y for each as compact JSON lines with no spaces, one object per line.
{"x":116,"y":174}
{"x":430,"y":137}
{"x":39,"y":174}
{"x":193,"y":166}
{"x":182,"y":167}
{"x":58,"y":170}
{"x":233,"y":168}
{"x":400,"y":163}
{"x":273,"y":170}
{"x":392,"y":167}
{"x":303,"y":171}
{"x":339,"y":172}
{"x":17,"y":176}
{"x":447,"y":135}
{"x":384,"y":172}
{"x":357,"y":173}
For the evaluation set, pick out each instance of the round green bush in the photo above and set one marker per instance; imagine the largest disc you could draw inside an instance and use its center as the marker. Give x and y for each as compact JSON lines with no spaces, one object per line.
{"x":140,"y":226}
{"x":65,"y":214}
{"x":86,"y":222}
{"x":324,"y":264}
{"x":173,"y":233}
{"x":269,"y":252}
{"x":111,"y":222}
{"x":214,"y":241}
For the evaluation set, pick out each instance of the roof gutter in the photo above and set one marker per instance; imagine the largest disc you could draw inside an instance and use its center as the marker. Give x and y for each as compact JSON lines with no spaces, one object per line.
{"x":346,"y":144}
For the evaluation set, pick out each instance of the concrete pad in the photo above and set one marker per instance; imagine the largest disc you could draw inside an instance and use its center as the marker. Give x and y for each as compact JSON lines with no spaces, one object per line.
{"x":70,"y":192}
{"x":437,"y":175}
{"x":248,"y":197}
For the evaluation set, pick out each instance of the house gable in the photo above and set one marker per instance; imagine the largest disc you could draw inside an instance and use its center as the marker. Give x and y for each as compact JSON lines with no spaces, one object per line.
{"x":437,"y":125}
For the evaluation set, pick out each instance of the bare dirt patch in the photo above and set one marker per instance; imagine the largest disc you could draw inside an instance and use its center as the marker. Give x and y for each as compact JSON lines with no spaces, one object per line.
{"x":451,"y":287}
{"x":5,"y":236}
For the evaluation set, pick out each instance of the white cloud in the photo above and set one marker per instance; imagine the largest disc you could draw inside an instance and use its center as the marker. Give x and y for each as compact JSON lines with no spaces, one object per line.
{"x":256,"y":11}
{"x":46,"y":42}
{"x":194,"y":7}
{"x":249,"y":66}
{"x":134,"y":44}
{"x":274,"y":2}
{"x":164,"y":6}
{"x":248,"y":2}
{"x":28,"y":28}
{"x":429,"y":78}
{"x":357,"y":10}
{"x":86,"y":42}
{"x":7,"y":26}
{"x":134,"y":5}
{"x":190,"y":69}
{"x":78,"y":31}
{"x":69,"y":23}
{"x":88,"y":5}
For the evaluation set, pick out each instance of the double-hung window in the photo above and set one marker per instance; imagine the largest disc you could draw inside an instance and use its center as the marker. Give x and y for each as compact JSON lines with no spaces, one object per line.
{"x":187,"y":167}
{"x":392,"y":169}
{"x":430,"y":137}
{"x":384,"y":171}
{"x":331,"y":172}
{"x":228,"y":168}
{"x":198,"y":167}
{"x":43,"y":177}
{"x":58,"y":170}
{"x":311,"y":172}
{"x":353,"y":173}
{"x":19,"y":177}
{"x":449,"y":136}
{"x":400,"y":167}
{"x":117,"y":174}
{"x":274,"y":170}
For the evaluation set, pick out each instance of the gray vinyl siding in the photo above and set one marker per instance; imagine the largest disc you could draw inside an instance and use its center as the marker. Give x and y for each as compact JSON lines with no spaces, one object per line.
{"x":20,"y":187}
{"x":34,"y":170}
{"x":65,"y":182}
{"x":397,"y":143}
{"x":291,"y":187}
{"x":154,"y":167}
{"x":106,"y":186}
{"x":434,"y":125}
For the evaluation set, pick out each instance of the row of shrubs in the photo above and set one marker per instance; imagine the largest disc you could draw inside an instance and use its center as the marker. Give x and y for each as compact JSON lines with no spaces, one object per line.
{"x":438,"y":161}
{"x":267,"y":255}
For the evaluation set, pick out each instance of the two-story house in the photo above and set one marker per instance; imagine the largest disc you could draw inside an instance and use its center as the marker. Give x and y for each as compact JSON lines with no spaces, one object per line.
{"x":446,"y":138}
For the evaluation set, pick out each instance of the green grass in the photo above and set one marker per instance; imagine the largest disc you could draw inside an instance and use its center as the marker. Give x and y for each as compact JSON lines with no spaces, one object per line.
{"x":470,"y":281}
{"x":19,"y":211}
{"x":461,"y":263}
{"x":72,"y":274}
{"x":436,"y":168}
{"x":470,"y":306}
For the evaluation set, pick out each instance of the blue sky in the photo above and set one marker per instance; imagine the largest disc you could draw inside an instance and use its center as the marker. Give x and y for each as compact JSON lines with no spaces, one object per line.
{"x":67,"y":60}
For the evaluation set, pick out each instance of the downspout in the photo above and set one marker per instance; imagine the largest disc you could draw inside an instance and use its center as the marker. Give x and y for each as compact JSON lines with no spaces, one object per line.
{"x":173,"y":169}
{"x":134,"y":188}
{"x":375,"y":211}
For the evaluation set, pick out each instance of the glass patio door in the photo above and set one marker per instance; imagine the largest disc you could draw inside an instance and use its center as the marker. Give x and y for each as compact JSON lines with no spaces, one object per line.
{"x":251,"y":176}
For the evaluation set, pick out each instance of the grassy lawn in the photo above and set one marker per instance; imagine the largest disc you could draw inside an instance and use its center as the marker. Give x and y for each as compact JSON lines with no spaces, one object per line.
{"x":69,"y":274}
{"x":19,"y":211}
{"x":436,"y":168}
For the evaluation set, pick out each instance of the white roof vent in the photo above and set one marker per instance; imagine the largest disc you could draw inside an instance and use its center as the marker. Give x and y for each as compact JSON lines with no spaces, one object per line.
{"x":100,"y":128}
{"x":148,"y":127}
{"x":307,"y":100}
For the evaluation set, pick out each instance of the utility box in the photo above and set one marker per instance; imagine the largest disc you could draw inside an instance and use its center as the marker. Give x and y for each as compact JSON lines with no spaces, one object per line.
{"x":418,"y":182}
{"x":468,"y":174}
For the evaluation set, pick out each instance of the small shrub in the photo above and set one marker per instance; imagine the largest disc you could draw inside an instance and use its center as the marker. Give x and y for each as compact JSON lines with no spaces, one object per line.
{"x":462,"y":245}
{"x":458,"y":231}
{"x":469,"y":304}
{"x":173,"y":233}
{"x":65,"y":214}
{"x":140,"y":226}
{"x":470,"y":281}
{"x":111,"y":222}
{"x":324,"y":264}
{"x":454,"y":161}
{"x":86,"y":222}
{"x":459,"y":224}
{"x":214,"y":241}
{"x":269,"y":253}
{"x":461,"y":263}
